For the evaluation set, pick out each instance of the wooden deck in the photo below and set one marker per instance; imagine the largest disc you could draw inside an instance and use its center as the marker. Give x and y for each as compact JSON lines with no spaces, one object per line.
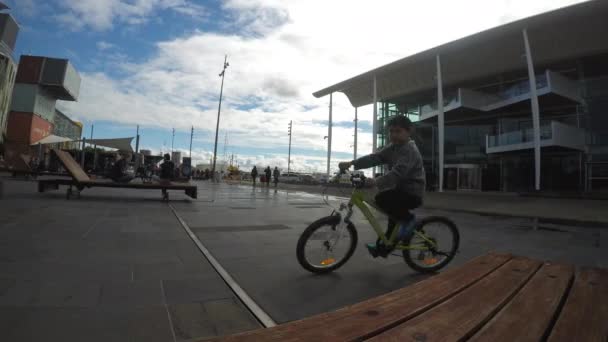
{"x":495,"y":297}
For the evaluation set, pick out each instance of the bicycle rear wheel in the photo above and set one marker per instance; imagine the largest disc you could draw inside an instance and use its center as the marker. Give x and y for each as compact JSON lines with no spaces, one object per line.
{"x":326,"y":244}
{"x":433,"y":246}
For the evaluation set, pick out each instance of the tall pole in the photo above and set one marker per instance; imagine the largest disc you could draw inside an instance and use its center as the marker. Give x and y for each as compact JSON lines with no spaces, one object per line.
{"x":92,"y":126}
{"x":329,"y":135}
{"x":219,"y":108}
{"x":355,"y":146}
{"x":172,"y":139}
{"x":191,"y":136}
{"x":137,"y":140}
{"x":289,"y":153}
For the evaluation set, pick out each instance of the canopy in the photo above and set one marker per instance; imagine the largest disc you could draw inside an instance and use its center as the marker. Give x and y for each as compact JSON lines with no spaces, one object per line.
{"x":566,"y":33}
{"x":51,"y":139}
{"x":122,"y":144}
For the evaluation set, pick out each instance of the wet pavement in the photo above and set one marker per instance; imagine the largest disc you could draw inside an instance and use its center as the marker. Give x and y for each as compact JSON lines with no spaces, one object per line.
{"x":116,"y":265}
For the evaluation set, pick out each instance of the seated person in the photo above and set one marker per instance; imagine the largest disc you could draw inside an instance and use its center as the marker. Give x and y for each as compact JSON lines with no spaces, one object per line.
{"x":118,"y":172}
{"x":402,"y":187}
{"x":167,"y":168}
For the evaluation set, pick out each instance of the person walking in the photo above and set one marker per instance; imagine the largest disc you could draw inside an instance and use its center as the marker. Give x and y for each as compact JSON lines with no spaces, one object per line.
{"x":276,"y":173}
{"x":268,"y":174}
{"x":254,"y":174}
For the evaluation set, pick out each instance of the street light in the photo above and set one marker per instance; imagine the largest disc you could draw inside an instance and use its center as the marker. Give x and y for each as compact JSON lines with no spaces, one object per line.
{"x":289,"y":127}
{"x":219,"y":107}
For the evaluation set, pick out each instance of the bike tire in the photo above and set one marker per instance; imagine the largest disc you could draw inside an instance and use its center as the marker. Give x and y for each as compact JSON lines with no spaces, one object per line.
{"x":332,"y":220}
{"x":420,"y":226}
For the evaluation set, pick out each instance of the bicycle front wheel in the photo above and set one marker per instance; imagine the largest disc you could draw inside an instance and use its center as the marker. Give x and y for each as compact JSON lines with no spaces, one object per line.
{"x":433,"y":246}
{"x":326,"y":244}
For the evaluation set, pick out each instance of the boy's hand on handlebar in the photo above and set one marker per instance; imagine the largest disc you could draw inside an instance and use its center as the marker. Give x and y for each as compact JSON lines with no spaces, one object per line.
{"x":344,"y":165}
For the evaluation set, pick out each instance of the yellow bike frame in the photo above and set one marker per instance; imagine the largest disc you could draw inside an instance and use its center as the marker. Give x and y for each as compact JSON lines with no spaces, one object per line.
{"x":358,"y":199}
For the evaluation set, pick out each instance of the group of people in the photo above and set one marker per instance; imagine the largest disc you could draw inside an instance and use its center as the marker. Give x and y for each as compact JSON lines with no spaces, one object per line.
{"x":268,"y":175}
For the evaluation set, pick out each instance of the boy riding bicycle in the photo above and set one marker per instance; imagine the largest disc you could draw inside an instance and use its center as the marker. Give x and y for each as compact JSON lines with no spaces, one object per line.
{"x":402,"y":187}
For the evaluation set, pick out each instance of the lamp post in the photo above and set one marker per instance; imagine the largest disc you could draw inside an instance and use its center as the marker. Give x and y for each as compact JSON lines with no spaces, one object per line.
{"x":219,"y":108}
{"x":289,"y":153}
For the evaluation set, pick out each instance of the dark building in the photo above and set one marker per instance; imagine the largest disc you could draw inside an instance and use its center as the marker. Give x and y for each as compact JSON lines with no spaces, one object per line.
{"x":519,"y":107}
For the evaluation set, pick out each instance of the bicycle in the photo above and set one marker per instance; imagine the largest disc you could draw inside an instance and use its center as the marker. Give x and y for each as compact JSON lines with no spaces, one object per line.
{"x":422,"y":245}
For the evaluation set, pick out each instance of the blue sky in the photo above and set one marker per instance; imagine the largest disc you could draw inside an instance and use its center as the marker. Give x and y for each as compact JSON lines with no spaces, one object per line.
{"x":156,"y":63}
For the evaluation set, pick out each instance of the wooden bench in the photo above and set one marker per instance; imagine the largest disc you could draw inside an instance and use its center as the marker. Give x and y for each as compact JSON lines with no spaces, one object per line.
{"x":81,"y":180}
{"x":495,"y":297}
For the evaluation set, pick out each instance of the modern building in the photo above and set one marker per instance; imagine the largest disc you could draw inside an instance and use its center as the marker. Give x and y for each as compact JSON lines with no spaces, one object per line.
{"x":519,"y":107}
{"x":65,"y":127}
{"x":8,"y":68}
{"x":40,"y":83}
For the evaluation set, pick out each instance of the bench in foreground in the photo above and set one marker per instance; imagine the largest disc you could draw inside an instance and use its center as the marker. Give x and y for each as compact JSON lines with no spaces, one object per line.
{"x":495,"y":297}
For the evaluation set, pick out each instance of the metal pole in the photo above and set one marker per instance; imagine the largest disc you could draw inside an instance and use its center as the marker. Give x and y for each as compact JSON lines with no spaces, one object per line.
{"x":191,"y":136}
{"x":440,"y":122}
{"x":329,"y":135}
{"x":172,"y":140}
{"x":356,"y":124}
{"x":137,"y":141}
{"x":289,"y":153}
{"x":82,"y":154}
{"x":92,"y":131}
{"x":219,"y":107}
{"x":535,"y":111}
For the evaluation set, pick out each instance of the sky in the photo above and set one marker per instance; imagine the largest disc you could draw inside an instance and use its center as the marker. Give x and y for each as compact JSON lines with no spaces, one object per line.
{"x":155,"y":63}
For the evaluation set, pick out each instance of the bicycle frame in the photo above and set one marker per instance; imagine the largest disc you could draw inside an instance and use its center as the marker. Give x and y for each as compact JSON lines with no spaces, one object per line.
{"x":358,"y":200}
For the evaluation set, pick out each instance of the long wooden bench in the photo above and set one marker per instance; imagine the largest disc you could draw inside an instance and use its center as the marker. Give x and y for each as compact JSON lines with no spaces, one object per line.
{"x":495,"y":297}
{"x":80,"y":180}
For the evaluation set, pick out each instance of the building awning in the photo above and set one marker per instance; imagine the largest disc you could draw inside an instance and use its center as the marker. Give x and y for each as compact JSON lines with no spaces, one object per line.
{"x":51,"y":139}
{"x":566,"y":33}
{"x":122,"y":144}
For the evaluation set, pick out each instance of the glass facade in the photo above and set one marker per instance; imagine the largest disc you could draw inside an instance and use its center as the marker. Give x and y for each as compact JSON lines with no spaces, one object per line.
{"x":65,"y":127}
{"x":469,"y":133}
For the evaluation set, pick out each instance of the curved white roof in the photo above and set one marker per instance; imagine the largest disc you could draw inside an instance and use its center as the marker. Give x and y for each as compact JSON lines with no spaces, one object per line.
{"x":570,"y":32}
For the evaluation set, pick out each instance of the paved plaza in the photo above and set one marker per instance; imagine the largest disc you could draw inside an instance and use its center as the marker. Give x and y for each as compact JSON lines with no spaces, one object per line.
{"x":117,"y":265}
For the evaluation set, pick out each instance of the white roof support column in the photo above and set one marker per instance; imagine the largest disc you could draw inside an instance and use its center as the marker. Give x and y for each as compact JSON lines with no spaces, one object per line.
{"x":356,"y":129}
{"x":535,"y":110}
{"x":440,"y":122}
{"x":375,"y":121}
{"x":329,"y":126}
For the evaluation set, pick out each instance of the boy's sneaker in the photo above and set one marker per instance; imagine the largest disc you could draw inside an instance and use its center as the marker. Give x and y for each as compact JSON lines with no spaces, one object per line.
{"x":372,"y":249}
{"x":406,"y":229}
{"x":378,"y":249}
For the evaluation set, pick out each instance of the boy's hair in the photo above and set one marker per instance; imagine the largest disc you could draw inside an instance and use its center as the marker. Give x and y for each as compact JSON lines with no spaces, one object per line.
{"x":400,"y":121}
{"x":167,"y":156}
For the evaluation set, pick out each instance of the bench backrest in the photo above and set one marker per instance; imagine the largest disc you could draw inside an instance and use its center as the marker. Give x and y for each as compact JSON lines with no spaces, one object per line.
{"x":72,"y":166}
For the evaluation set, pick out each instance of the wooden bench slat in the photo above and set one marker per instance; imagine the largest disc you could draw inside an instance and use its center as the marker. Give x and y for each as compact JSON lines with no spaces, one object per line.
{"x":585,"y":314}
{"x":377,"y":314}
{"x":72,"y":166}
{"x":461,"y":316}
{"x":528,"y":316}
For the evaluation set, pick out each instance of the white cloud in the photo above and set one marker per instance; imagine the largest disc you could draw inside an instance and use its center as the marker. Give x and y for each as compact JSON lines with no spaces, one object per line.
{"x":284,"y":51}
{"x":102,"y":45}
{"x":101,"y":15}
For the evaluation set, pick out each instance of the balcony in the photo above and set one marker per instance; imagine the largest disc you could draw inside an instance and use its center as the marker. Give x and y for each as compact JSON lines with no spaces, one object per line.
{"x":550,"y":87}
{"x":555,"y":134}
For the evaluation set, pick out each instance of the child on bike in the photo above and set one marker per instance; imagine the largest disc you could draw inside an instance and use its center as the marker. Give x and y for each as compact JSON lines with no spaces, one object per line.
{"x":402,"y":187}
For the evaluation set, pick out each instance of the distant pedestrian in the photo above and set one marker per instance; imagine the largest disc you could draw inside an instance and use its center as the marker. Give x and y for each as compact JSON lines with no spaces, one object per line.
{"x":268,"y":174}
{"x":276,"y":173}
{"x":254,"y":174}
